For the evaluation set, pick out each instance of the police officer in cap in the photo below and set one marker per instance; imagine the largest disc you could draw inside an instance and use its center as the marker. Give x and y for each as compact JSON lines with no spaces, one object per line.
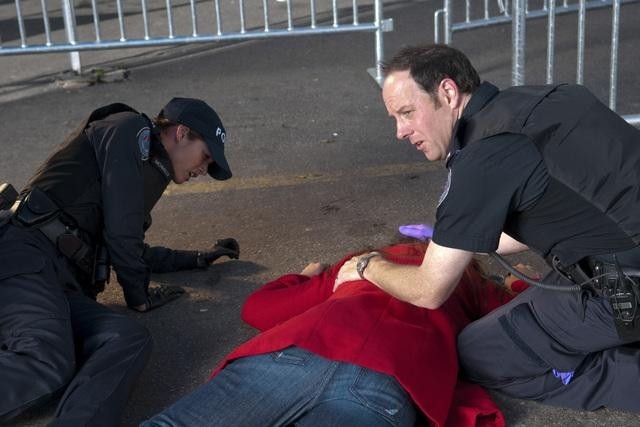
{"x":85,"y":209}
{"x":548,"y":168}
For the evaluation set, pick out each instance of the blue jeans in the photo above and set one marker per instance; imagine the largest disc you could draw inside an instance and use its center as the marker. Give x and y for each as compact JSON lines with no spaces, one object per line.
{"x":292,"y":387}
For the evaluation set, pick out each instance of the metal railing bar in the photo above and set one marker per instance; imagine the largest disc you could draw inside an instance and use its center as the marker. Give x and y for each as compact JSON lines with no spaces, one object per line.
{"x":615,"y":31}
{"x":378,"y":17}
{"x":551,"y":40}
{"x":242,"y":23}
{"x":581,"y":36}
{"x":289,"y":16}
{"x":247,"y":35}
{"x":518,"y":42}
{"x":194,"y":21}
{"x":169,"y":19}
{"x":312,"y":12}
{"x":591,"y":4}
{"x":23,"y":38}
{"x":145,"y":19}
{"x":633,"y":119}
{"x":448,"y":28}
{"x":120,"y":20}
{"x":45,"y":20}
{"x":68,"y":16}
{"x":355,"y":12}
{"x":218,"y":21}
{"x":436,"y":25}
{"x":265,"y":9}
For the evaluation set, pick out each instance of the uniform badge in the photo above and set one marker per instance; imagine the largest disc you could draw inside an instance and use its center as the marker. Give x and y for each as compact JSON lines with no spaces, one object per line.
{"x":445,"y":191}
{"x":144,"y":143}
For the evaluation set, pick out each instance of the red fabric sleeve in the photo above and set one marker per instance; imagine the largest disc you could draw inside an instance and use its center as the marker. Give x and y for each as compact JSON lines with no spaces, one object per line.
{"x":286,"y":297}
{"x":472,"y":406}
{"x":519,"y":286}
{"x":293,"y":294}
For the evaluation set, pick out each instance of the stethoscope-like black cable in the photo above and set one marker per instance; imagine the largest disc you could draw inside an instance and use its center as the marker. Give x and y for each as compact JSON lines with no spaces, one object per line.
{"x":552,"y":287}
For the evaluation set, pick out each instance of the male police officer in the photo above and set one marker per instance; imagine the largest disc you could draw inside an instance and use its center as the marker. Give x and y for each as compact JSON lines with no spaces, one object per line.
{"x":549,"y":168}
{"x":93,"y":197}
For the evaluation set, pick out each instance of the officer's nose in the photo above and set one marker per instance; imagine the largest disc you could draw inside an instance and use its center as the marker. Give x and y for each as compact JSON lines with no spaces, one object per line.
{"x":403,"y":131}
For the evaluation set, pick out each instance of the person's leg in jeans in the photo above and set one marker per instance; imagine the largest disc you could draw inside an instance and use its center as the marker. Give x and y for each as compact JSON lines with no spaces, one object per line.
{"x":538,"y":347}
{"x":36,"y":344}
{"x":265,"y":390}
{"x":112,"y":350}
{"x":358,"y":396}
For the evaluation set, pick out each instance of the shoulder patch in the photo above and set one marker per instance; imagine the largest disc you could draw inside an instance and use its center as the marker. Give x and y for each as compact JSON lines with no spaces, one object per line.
{"x":144,"y":143}
{"x":445,"y":191}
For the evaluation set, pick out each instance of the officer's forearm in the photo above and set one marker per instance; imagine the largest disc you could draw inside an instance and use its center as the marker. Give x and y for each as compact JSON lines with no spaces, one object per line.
{"x":166,"y":260}
{"x":404,"y":282}
{"x":428,"y":285}
{"x":509,"y":245}
{"x":408,"y":283}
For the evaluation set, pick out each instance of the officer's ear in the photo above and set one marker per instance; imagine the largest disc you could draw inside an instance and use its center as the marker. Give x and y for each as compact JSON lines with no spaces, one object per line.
{"x":182,"y":133}
{"x":449,"y":93}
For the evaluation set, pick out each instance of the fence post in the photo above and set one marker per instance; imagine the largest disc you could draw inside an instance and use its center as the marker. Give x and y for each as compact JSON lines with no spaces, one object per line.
{"x":448,"y":16}
{"x":551,"y":40}
{"x":581,"y":31}
{"x":379,"y":41}
{"x":382,"y":26}
{"x":615,"y":30}
{"x":518,"y":41}
{"x":69,"y":18}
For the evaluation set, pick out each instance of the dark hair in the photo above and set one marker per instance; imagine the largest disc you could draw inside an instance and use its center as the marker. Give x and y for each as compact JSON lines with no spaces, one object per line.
{"x":429,"y":64}
{"x":163,"y":124}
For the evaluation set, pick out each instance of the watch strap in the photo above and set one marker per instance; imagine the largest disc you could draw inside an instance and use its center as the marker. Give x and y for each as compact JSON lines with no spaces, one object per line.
{"x":363,"y":262}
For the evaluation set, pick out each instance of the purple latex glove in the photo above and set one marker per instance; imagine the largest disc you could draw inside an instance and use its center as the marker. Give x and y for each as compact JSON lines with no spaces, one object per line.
{"x":565,"y":377}
{"x":417,"y":231}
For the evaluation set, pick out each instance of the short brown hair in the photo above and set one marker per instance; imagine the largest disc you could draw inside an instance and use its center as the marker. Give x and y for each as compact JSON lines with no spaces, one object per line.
{"x":429,"y":64}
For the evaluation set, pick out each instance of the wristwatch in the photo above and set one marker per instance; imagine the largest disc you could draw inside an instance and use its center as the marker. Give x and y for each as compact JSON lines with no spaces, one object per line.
{"x":363,"y":261}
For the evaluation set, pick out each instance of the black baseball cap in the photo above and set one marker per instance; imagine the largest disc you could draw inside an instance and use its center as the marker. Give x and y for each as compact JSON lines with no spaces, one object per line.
{"x":198,"y":116}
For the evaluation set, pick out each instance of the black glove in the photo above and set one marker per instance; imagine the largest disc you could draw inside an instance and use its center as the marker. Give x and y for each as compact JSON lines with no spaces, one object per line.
{"x":225,"y":247}
{"x":161,"y":295}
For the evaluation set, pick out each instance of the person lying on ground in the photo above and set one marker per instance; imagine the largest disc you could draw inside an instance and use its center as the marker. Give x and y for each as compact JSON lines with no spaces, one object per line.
{"x":356,"y":357}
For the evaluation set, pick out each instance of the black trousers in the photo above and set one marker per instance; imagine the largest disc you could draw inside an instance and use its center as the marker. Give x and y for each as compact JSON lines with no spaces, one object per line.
{"x":55,"y":341}
{"x":516,"y":348}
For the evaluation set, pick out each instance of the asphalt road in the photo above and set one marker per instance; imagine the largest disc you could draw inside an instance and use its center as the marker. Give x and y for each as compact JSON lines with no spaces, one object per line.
{"x":317,"y":173}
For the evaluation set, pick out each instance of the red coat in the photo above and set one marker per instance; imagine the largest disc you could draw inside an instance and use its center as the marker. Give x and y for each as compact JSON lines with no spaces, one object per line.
{"x":363,"y":325}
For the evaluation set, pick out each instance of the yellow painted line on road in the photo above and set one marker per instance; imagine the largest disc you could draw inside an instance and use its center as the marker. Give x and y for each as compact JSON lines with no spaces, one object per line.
{"x":274,"y":181}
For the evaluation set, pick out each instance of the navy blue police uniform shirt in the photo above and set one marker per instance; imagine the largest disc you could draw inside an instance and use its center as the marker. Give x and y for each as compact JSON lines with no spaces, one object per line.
{"x":130,"y":186}
{"x":488,"y":182}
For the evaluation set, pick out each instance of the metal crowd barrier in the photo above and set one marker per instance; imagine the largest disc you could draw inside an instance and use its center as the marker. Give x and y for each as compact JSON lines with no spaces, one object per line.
{"x":520,"y":11}
{"x":224,"y":21}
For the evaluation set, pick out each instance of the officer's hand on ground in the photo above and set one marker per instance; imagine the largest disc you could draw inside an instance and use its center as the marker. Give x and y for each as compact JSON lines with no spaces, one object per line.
{"x":159,"y":296}
{"x":225,"y":247}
